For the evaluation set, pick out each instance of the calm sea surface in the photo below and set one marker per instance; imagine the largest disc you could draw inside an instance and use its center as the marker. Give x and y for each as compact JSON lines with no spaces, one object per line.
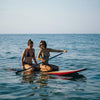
{"x":83,"y":52}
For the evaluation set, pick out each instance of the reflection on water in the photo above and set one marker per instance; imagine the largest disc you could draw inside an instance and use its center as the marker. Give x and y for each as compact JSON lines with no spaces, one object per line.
{"x":42,"y":79}
{"x":83,"y":51}
{"x":29,"y":77}
{"x":46,"y":86}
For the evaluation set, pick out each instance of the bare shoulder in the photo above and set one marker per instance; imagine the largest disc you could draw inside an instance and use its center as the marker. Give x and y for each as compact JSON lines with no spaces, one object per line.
{"x":41,"y":51}
{"x":25,"y":50}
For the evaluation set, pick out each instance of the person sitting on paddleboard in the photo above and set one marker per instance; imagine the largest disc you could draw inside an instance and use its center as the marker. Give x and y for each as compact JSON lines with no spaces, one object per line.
{"x":27,"y":56}
{"x":44,"y":54}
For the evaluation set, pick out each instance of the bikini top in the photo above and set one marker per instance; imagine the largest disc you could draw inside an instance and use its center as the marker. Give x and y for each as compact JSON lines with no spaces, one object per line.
{"x":45,"y":55}
{"x":28,"y":54}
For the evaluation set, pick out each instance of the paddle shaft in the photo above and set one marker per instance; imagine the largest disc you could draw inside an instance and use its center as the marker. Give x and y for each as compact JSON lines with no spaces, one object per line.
{"x":38,"y":63}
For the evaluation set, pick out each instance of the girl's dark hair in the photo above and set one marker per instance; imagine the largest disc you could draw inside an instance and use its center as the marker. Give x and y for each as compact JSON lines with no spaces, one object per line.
{"x":29,"y":42}
{"x":43,"y":43}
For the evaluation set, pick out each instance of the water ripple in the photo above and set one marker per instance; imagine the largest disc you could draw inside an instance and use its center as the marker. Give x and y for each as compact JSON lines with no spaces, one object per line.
{"x":83,"y":52}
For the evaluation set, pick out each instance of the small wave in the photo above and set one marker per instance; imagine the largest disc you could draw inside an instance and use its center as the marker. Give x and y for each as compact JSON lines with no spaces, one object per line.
{"x":8,"y":52}
{"x":12,"y":57}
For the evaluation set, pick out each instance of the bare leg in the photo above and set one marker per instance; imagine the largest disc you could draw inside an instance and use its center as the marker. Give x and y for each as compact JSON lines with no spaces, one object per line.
{"x":45,"y":68}
{"x":27,"y":66}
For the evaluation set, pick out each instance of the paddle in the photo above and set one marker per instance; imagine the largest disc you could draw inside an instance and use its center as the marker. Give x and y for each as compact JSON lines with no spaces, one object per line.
{"x":38,"y":63}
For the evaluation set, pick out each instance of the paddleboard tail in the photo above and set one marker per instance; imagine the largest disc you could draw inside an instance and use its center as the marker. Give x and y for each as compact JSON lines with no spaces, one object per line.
{"x":65,"y":72}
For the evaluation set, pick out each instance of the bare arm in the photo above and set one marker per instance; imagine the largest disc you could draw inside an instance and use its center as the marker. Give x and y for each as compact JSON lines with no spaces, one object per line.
{"x":22,"y":57}
{"x":53,"y":50}
{"x":34,"y":58}
{"x":38,"y":57}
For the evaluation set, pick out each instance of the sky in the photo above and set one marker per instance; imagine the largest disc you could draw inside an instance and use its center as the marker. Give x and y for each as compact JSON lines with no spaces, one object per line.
{"x":49,"y":16}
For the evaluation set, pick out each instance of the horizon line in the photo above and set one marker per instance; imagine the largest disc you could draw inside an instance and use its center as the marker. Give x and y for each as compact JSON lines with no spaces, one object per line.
{"x":49,"y":33}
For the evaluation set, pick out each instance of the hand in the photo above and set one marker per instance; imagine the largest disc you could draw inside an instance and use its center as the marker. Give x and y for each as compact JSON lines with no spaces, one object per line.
{"x":43,"y":60}
{"x":64,"y":50}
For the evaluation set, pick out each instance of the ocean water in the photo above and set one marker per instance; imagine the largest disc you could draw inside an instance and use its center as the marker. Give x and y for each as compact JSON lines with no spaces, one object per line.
{"x":83,"y":52}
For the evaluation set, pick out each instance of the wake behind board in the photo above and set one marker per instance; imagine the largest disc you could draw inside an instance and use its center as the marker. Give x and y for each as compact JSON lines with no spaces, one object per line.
{"x":64,"y":72}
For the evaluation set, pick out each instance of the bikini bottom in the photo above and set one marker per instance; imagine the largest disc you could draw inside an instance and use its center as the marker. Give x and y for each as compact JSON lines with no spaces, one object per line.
{"x":37,"y":68}
{"x":27,"y":63}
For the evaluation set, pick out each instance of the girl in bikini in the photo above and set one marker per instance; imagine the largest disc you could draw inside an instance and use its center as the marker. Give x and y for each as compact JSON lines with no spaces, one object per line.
{"x":27,"y":56}
{"x":44,"y":54}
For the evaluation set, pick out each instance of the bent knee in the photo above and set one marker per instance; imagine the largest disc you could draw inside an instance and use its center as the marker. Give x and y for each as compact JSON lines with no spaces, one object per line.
{"x":45,"y":68}
{"x":28,"y":66}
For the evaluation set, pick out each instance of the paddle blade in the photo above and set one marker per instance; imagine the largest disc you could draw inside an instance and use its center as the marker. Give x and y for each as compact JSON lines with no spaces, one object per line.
{"x":17,"y":72}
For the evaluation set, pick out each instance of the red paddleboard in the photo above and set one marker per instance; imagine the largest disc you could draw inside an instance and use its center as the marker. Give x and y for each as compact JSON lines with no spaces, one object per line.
{"x":64,"y":72}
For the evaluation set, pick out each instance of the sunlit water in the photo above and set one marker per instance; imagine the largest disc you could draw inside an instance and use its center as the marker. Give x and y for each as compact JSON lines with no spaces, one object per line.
{"x":83,"y":52}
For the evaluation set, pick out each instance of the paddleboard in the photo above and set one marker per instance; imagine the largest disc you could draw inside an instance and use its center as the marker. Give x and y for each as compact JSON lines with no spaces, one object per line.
{"x":60,"y":73}
{"x":64,"y":72}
